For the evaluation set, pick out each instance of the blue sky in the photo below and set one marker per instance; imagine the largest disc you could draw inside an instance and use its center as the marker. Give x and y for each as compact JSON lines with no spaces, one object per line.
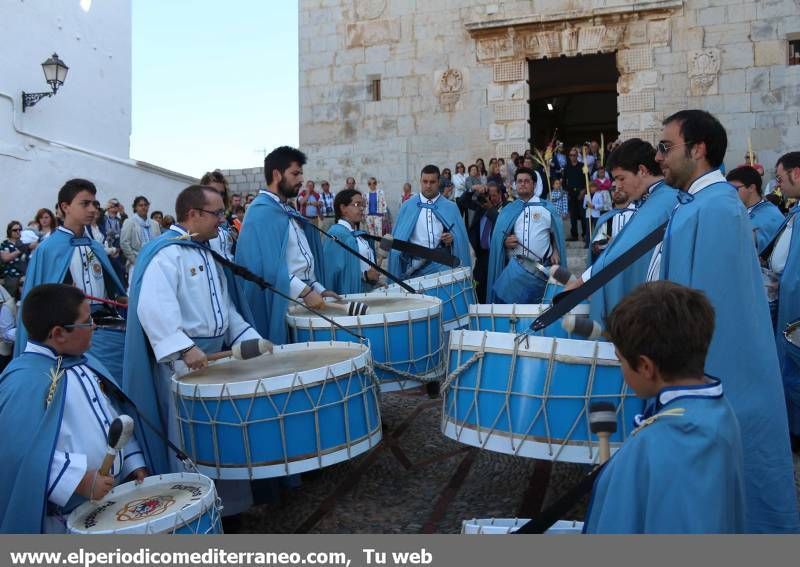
{"x":213,"y":82}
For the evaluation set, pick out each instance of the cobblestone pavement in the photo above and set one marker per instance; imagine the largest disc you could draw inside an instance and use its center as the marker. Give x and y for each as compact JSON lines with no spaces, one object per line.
{"x":418,"y":480}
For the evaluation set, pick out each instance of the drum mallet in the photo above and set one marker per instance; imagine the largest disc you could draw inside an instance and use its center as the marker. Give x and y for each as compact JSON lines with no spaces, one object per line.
{"x":245,"y":350}
{"x":351,"y":308}
{"x":603,"y":422}
{"x":582,"y":326}
{"x":119,"y":433}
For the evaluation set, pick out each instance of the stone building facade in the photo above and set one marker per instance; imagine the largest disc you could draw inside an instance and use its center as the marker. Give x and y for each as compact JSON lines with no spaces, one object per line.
{"x":454,"y":75}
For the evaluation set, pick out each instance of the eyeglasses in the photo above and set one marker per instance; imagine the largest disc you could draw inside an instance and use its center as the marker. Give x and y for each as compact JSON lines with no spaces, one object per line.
{"x":738,"y":186}
{"x":664,"y":147}
{"x":357,"y":205}
{"x":88,"y":325}
{"x":219,"y":214}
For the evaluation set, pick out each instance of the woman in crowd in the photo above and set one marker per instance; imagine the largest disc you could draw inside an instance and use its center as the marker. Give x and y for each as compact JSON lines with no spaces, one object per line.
{"x":45,"y":223}
{"x":14,"y":255}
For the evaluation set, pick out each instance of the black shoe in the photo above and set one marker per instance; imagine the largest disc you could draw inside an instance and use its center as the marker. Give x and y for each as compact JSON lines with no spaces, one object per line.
{"x":433,"y":389}
{"x":232,"y":524}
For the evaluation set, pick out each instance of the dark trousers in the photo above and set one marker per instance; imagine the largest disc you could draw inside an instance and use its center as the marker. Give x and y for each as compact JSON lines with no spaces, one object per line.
{"x":480,"y":274}
{"x":576,"y":216}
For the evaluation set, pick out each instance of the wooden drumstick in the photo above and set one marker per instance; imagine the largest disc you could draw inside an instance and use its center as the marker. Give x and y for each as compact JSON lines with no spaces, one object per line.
{"x":603,"y":422}
{"x":348,"y":308}
{"x":119,"y":433}
{"x":582,"y":326}
{"x":244,"y":350}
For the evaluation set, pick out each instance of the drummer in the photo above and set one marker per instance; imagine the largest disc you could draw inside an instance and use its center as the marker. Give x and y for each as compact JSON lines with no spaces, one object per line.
{"x":530,"y":228}
{"x":431,"y":221}
{"x":277,"y":244}
{"x":55,"y":411}
{"x":344,"y":272}
{"x":782,"y":256}
{"x":180,"y":311}
{"x":70,"y":256}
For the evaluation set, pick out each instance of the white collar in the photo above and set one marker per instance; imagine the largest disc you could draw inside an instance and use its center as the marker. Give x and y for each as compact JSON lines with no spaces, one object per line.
{"x":714,"y":176}
{"x":273,"y":195}
{"x":424,"y":199}
{"x":654,"y":185}
{"x":712,"y":389}
{"x":66,"y":230}
{"x":345,"y":224}
{"x":179,"y":229}
{"x":533,"y":199}
{"x":754,"y":205}
{"x":38,"y":348}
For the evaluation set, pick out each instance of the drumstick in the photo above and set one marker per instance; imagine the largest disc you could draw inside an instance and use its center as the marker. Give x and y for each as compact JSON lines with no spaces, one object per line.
{"x":348,"y":308}
{"x":603,"y":422}
{"x":561,"y":274}
{"x":244,"y":350}
{"x":582,"y":326}
{"x":107,"y":301}
{"x":119,"y":433}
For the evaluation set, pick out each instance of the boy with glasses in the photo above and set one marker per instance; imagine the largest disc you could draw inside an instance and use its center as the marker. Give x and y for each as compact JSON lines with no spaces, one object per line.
{"x":57,"y":400}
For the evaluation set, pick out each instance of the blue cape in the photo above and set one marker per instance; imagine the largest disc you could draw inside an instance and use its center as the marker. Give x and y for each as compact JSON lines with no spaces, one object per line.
{"x":261,"y":248}
{"x":141,"y":374}
{"x":27,"y":453}
{"x":766,"y":219}
{"x":342,"y":269}
{"x":709,"y":246}
{"x":447,"y":213}
{"x":604,"y":218}
{"x":651,"y":214}
{"x":504,"y":227}
{"x":788,"y":312}
{"x":50,"y":264}
{"x":679,"y":474}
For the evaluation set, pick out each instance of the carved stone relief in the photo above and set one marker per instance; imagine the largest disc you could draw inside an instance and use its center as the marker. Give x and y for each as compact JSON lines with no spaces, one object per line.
{"x":370,"y":9}
{"x":449,"y":88}
{"x":703,"y":71}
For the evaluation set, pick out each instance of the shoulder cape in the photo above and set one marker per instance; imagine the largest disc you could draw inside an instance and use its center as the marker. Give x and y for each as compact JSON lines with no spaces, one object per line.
{"x":444,"y":210}
{"x":651,"y":214}
{"x":766,"y":219}
{"x":679,"y":474}
{"x":261,"y":248}
{"x":28,"y":452}
{"x":709,"y":246}
{"x":601,"y":220}
{"x":505,"y":226}
{"x":342,"y":269}
{"x":50,"y":263}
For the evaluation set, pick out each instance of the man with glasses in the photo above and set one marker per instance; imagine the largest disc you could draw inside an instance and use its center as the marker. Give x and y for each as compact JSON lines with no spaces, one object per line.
{"x":57,"y":403}
{"x":71,"y":256}
{"x":181,"y":310}
{"x":574,"y":182}
{"x":781,"y":259}
{"x":765,"y":216}
{"x":708,"y":245}
{"x":280,"y":246}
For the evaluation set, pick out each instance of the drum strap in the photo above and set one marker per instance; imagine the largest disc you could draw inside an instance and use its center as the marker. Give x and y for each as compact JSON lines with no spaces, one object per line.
{"x":562,"y":506}
{"x":565,"y":301}
{"x":438,"y":255}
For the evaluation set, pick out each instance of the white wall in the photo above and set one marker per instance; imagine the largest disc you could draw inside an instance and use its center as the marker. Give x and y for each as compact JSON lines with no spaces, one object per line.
{"x":84,"y":130}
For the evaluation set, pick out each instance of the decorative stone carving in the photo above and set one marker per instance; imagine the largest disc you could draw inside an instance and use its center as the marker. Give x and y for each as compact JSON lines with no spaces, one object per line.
{"x":495,"y":48}
{"x":703,"y":71}
{"x":590,"y":38}
{"x":550,"y":43}
{"x":370,"y":9}
{"x":569,"y":39}
{"x":614,"y":36}
{"x":497,"y":132}
{"x":449,"y":88}
{"x":376,"y":32}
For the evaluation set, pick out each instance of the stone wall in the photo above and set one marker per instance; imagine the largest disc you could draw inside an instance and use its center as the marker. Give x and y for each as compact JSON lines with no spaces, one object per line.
{"x":244,"y":181}
{"x":454,"y":75}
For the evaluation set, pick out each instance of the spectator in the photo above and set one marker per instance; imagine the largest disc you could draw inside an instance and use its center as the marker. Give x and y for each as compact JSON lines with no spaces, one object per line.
{"x":407,"y":193}
{"x":157,"y":216}
{"x":14,"y":255}
{"x":558,"y":162}
{"x":595,"y":203}
{"x":575,"y":186}
{"x":494,"y":175}
{"x":169,"y":220}
{"x":309,"y":203}
{"x":444,"y":180}
{"x":511,"y":168}
{"x":350,"y":183}
{"x":225,"y":240}
{"x":755,"y":165}
{"x":377,"y":210}
{"x":94,"y":231}
{"x":45,"y":223}
{"x":328,"y":196}
{"x":480,"y":234}
{"x":8,"y":327}
{"x":473,"y":185}
{"x":559,"y":199}
{"x":250,"y":198}
{"x":111,"y":227}
{"x":602,"y":178}
{"x":459,"y":180}
{"x":482,"y":170}
{"x":137,"y":231}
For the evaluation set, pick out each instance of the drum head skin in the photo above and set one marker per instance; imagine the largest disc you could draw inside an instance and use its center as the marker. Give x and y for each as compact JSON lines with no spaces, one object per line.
{"x":378,"y":304}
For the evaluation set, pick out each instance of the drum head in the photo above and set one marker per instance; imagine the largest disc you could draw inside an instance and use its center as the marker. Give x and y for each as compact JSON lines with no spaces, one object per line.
{"x":280,"y":363}
{"x":378,"y":304}
{"x":159,"y":505}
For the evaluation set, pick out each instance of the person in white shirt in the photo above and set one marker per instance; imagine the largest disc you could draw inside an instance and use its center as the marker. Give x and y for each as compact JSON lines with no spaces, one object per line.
{"x":137,"y":230}
{"x":226,"y":237}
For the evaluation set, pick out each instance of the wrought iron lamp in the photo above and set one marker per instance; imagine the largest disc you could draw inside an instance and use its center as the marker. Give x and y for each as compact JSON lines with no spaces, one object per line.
{"x":55,"y":71}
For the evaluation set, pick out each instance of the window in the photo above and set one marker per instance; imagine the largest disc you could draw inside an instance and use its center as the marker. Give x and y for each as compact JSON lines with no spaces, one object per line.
{"x":794,"y":51}
{"x":375,"y":88}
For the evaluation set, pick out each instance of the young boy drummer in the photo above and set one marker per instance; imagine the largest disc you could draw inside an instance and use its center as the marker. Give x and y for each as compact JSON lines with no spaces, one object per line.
{"x":56,"y":414}
{"x":681,"y":470}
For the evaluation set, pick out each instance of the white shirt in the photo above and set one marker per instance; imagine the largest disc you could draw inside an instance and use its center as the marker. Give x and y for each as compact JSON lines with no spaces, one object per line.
{"x":223,"y":243}
{"x":428,"y":230}
{"x":299,"y":259}
{"x":539,"y":189}
{"x":82,"y":437}
{"x":363,"y":248}
{"x":86,"y":269}
{"x":532,"y":229}
{"x":185,"y":295}
{"x":780,"y":253}
{"x":459,"y":183}
{"x":8,"y":325}
{"x":715,"y":176}
{"x":617,"y":222}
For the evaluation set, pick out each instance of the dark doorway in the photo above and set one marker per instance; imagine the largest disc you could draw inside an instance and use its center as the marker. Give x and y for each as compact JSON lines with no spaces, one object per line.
{"x":575,"y":95}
